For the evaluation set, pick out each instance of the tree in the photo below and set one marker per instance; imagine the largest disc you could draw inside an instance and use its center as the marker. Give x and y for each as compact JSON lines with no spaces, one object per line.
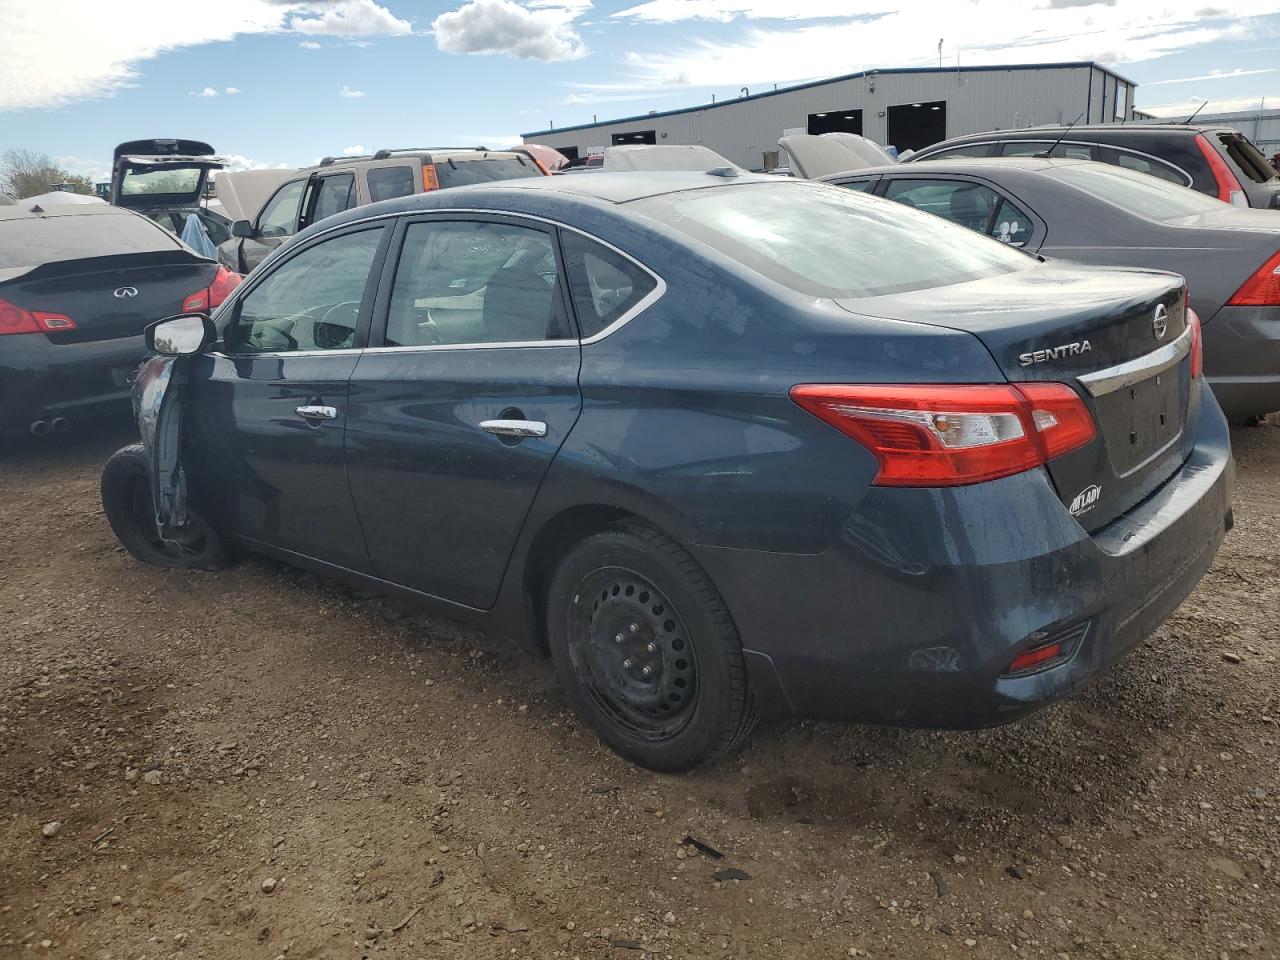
{"x":25,"y":173}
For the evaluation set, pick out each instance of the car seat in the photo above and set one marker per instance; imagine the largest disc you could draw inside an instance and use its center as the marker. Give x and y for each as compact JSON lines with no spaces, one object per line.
{"x":517,"y":305}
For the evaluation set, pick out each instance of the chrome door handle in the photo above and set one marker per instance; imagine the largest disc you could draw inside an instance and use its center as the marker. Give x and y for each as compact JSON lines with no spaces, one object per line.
{"x":515,"y":428}
{"x":314,"y":412}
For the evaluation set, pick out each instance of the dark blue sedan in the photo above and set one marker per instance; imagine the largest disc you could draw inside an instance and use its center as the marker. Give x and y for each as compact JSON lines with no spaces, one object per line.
{"x":722,"y":445}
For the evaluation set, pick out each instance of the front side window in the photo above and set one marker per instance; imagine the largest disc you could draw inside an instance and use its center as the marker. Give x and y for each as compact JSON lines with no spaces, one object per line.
{"x":333,"y":196}
{"x":468,"y":282}
{"x":604,"y":284}
{"x":964,"y":150}
{"x":309,"y":302}
{"x":279,"y":218}
{"x":862,"y":186}
{"x":388,"y":182}
{"x":826,"y":241}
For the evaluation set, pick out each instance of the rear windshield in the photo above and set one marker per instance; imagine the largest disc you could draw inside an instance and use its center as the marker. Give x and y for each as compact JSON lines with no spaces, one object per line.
{"x":459,"y":173}
{"x":1137,"y":193}
{"x":826,"y":241}
{"x":138,"y":183}
{"x":1247,"y":157}
{"x":32,"y":241}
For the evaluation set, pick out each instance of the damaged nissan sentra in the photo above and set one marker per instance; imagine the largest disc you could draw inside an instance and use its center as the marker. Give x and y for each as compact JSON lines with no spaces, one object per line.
{"x":723,"y":446}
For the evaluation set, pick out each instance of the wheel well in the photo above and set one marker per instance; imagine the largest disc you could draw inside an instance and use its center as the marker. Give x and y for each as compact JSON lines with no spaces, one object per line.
{"x":556,"y":538}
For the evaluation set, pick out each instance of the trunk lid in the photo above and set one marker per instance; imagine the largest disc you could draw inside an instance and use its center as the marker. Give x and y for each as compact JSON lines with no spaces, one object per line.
{"x":161,"y":173}
{"x":111,"y":297}
{"x":1118,"y":337}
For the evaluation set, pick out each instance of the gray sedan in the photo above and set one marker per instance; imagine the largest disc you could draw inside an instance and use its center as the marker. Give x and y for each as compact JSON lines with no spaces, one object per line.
{"x":1097,"y":213}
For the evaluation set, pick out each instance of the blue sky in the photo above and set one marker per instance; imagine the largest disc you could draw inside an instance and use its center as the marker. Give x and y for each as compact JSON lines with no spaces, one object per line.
{"x":275,"y":82}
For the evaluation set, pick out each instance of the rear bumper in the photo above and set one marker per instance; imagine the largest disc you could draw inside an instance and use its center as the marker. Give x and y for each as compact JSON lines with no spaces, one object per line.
{"x":914,"y":616}
{"x":40,"y":380}
{"x":1242,"y":360}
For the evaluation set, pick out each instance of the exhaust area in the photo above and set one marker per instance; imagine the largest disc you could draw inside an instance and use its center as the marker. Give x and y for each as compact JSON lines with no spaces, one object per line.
{"x":39,"y":428}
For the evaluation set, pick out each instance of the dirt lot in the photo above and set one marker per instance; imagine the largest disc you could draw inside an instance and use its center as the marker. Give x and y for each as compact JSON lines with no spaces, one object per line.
{"x":414,"y":789}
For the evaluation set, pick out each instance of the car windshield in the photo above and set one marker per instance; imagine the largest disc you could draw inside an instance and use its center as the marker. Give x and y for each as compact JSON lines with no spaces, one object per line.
{"x":1137,"y":193}
{"x":137,"y":183}
{"x":459,"y":173}
{"x":827,"y":241}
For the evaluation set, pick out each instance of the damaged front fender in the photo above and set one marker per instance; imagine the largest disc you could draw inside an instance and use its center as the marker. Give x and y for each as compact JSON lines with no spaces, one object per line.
{"x":158,"y":394}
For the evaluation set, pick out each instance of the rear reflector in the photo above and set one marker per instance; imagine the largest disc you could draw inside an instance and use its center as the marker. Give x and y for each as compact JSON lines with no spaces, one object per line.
{"x":1262,"y":289}
{"x":429,"y":180}
{"x":943,"y":435}
{"x":1033,"y":658}
{"x":1229,"y":189}
{"x":15,"y":319}
{"x":1197,"y":343}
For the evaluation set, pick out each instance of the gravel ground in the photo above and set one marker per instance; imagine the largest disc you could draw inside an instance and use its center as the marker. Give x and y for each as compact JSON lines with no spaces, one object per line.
{"x":261,"y":763}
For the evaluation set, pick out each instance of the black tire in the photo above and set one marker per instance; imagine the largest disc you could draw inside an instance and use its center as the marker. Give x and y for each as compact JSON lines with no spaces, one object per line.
{"x":627,"y":600}
{"x":127,"y":502}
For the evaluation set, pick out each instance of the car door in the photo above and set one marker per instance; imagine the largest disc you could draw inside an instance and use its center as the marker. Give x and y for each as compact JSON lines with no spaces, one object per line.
{"x":467,"y":390}
{"x":972,"y":204}
{"x":326,"y":195}
{"x":270,"y":399}
{"x":276,"y":223}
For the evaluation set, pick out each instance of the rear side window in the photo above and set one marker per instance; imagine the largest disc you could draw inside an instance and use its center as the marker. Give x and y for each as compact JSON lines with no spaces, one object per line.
{"x":36,"y":240}
{"x":388,"y":182}
{"x":1155,"y":168}
{"x":826,"y":241}
{"x":969,"y":204}
{"x":334,"y":196}
{"x":604,"y":284}
{"x":1036,"y":148}
{"x":1247,"y":157}
{"x":459,"y":173}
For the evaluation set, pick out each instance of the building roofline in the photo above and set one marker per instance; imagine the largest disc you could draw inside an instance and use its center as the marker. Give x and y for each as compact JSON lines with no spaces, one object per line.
{"x":890,"y":71}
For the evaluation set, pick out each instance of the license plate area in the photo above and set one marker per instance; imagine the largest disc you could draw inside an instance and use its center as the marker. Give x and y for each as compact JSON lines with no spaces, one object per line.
{"x":1143,"y":419}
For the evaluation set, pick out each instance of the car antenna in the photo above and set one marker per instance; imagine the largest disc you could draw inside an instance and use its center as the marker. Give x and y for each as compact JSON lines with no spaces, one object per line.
{"x":1054,"y":147}
{"x":1194,"y":115}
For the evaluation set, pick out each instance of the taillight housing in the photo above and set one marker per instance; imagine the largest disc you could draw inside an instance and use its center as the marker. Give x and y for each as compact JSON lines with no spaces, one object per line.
{"x":1262,"y":289}
{"x":203,"y":301}
{"x":945,"y":435}
{"x":15,"y":319}
{"x":1197,"y":343}
{"x":429,"y":180}
{"x":1229,"y":189}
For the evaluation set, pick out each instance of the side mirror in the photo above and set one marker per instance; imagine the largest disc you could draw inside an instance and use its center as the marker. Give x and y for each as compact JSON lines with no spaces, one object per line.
{"x":242,"y":229}
{"x":180,"y":336}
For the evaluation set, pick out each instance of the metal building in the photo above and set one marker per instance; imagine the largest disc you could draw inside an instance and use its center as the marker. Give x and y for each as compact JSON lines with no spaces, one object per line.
{"x":909,"y":108}
{"x":1260,"y":126}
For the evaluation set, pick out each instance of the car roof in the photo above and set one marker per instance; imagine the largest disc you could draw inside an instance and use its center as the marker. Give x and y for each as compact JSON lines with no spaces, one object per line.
{"x":429,"y":154}
{"x":1059,"y":129}
{"x":25,"y":210}
{"x":625,"y":185}
{"x":970,"y":165}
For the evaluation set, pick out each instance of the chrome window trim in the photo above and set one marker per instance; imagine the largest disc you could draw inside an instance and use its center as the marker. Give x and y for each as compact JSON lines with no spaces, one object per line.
{"x":1075,"y":143}
{"x":1122,"y":375}
{"x":279,"y":354}
{"x":656,"y":294}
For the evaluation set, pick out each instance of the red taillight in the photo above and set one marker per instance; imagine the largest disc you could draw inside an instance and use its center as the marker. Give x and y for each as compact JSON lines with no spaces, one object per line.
{"x":203,"y":301}
{"x":15,"y":319}
{"x":942,"y":435}
{"x":429,"y":179}
{"x":223,"y":283}
{"x":1197,"y":343}
{"x":1229,"y":189}
{"x":1262,"y":289}
{"x":1033,"y":658}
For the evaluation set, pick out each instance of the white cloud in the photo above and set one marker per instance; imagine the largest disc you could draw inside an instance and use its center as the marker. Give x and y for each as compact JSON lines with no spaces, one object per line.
{"x":885,"y":33}
{"x":309,"y":45}
{"x":46,"y":64}
{"x":1184,"y":108}
{"x":206,"y":92}
{"x":231,"y":91}
{"x":1211,"y":75}
{"x":354,"y":151}
{"x":542,"y":31}
{"x":348,"y":92}
{"x":238,"y":161}
{"x":350,"y":18}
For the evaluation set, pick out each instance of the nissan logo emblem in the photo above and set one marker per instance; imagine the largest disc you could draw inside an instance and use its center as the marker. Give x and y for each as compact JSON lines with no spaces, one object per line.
{"x":122,"y":292}
{"x":1160,"y":321}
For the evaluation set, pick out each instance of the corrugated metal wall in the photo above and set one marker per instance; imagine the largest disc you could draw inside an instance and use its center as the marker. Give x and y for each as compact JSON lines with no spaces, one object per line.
{"x":976,"y":100}
{"x":1260,"y":126}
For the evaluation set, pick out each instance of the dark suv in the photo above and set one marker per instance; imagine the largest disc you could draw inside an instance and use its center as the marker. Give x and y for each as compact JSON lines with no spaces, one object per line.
{"x":1218,"y":161}
{"x":340,"y":183}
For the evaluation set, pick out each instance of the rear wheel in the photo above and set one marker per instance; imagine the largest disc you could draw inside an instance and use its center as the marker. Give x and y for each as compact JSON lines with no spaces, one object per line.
{"x":647,"y":651}
{"x":128,"y":504}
